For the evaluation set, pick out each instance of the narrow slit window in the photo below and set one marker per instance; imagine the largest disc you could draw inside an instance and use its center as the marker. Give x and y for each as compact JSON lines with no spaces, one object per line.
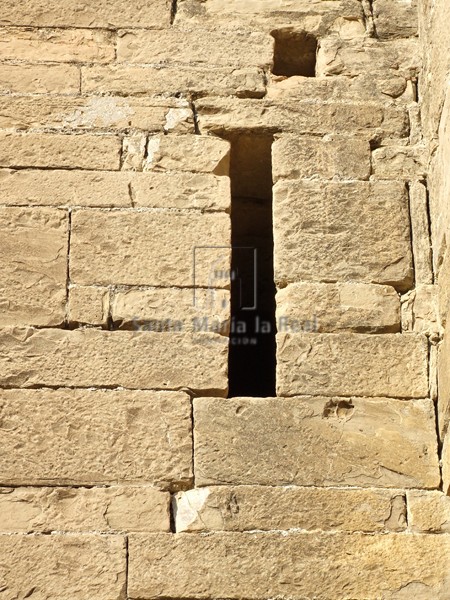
{"x":295,"y":53}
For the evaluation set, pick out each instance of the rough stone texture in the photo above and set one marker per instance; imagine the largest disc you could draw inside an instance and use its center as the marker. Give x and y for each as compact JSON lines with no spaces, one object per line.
{"x":446,"y":465}
{"x":351,"y":307}
{"x":247,"y":508}
{"x":428,"y":511}
{"x":395,"y":18}
{"x":39,"y":79}
{"x":259,"y":566}
{"x":91,"y":358}
{"x":444,"y":385}
{"x":59,"y":45}
{"x":46,"y":509}
{"x":82,"y":13}
{"x":420,"y":227}
{"x":399,"y":162}
{"x":88,"y":305}
{"x":330,"y":231}
{"x":149,"y":248}
{"x":75,"y":567}
{"x":173,"y":309}
{"x":420,"y":311}
{"x":352,"y":364}
{"x":56,"y":151}
{"x":88,"y":437}
{"x":33,"y":266}
{"x":315,"y":441}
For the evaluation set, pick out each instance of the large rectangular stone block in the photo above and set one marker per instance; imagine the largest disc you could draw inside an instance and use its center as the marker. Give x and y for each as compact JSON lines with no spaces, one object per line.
{"x":249,"y":508}
{"x":428,"y":511}
{"x":297,"y":566}
{"x":88,"y":437}
{"x":351,"y":364}
{"x":330,"y":231}
{"x":315,"y":441}
{"x":444,"y":383}
{"x":150,"y":248}
{"x":56,"y":151}
{"x":39,"y":79}
{"x":33,"y":266}
{"x":106,"y":510}
{"x":75,"y":567}
{"x":395,"y":18}
{"x":130,"y":359}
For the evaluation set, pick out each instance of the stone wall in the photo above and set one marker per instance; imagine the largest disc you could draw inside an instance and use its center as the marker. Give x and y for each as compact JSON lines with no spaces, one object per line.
{"x":142,"y":145}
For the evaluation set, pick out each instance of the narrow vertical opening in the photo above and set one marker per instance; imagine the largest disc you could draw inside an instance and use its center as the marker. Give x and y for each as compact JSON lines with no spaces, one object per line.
{"x":295,"y":53}
{"x":252,"y":357}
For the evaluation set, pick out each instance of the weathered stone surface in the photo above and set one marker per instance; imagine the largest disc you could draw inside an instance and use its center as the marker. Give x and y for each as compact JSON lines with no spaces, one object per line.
{"x":82,"y":13}
{"x":75,"y":567}
{"x":395,"y":18}
{"x":150,"y":248}
{"x":245,"y":82}
{"x":56,"y":151}
{"x":89,"y":305}
{"x":199,"y":45}
{"x":33,"y":266}
{"x":299,"y":566}
{"x":446,"y":465}
{"x":39,"y":79}
{"x":444,"y":385}
{"x":330,"y":231}
{"x":352,"y":364}
{"x":180,"y":190}
{"x":123,"y":508}
{"x":420,"y":311}
{"x":352,"y":307}
{"x":420,"y":227}
{"x":28,"y":187}
{"x":219,"y":115}
{"x":92,"y":358}
{"x":399,"y":162}
{"x":88,"y":437}
{"x":198,"y":154}
{"x":59,"y":45}
{"x":315,"y":441}
{"x":247,"y":508}
{"x":428,"y":511}
{"x":443,"y":282}
{"x":173,"y":309}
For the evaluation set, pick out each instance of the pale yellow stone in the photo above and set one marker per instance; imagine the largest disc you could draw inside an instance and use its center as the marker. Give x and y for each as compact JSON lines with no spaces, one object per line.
{"x":152,"y":247}
{"x":329,"y":307}
{"x":123,"y":508}
{"x":352,"y":364}
{"x":420,"y":311}
{"x":244,"y":508}
{"x":399,"y":162}
{"x":67,"y":567}
{"x":428,"y":511}
{"x":39,"y":79}
{"x":33,"y":266}
{"x":443,"y":282}
{"x":295,"y":566}
{"x":395,"y":18}
{"x":446,"y":465}
{"x":56,"y":151}
{"x":420,"y":227}
{"x":444,"y":384}
{"x":330,"y":231}
{"x":59,"y":45}
{"x":92,"y":358}
{"x":28,"y":187}
{"x":315,"y":441}
{"x":89,"y":305}
{"x":88,"y":437}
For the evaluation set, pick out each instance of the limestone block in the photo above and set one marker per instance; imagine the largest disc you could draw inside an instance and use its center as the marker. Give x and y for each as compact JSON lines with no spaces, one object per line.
{"x":211,"y":46}
{"x":82,"y":13}
{"x":333,"y":157}
{"x":444,"y":385}
{"x":420,"y":312}
{"x":395,"y":18}
{"x":337,"y":307}
{"x":352,"y":364}
{"x":329,"y":231}
{"x":399,"y":162}
{"x":180,"y":190}
{"x":298,"y":566}
{"x":89,"y":305}
{"x":75,"y":567}
{"x":39,"y":79}
{"x":59,"y":45}
{"x":173,"y":309}
{"x":117,"y":508}
{"x":56,"y":151}
{"x":30,"y":187}
{"x":88,"y":437}
{"x":247,"y":508}
{"x":428,"y":511}
{"x":443,"y":281}
{"x":420,"y":226}
{"x":315,"y":441}
{"x":446,"y":465}
{"x":150,"y":248}
{"x":245,"y":82}
{"x":33,"y":266}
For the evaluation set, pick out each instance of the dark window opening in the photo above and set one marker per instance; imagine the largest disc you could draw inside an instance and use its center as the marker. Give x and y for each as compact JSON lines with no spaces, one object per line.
{"x":295,"y":53}
{"x":252,"y":358}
